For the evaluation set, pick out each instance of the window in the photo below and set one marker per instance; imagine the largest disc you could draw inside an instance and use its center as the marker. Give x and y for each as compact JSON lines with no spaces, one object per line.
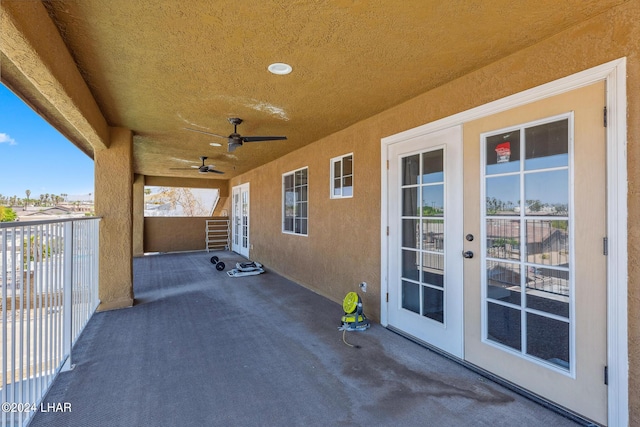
{"x":295,"y":199}
{"x":342,"y":176}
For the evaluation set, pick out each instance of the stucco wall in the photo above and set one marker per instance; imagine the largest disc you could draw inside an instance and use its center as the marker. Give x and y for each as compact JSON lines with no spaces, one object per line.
{"x":174,"y":234}
{"x":343,"y":246}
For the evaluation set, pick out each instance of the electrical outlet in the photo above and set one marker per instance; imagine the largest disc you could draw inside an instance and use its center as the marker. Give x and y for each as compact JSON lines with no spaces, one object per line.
{"x":363,"y":286}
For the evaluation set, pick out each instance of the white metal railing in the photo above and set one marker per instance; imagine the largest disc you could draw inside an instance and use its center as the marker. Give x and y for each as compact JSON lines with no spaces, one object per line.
{"x":49,"y":283}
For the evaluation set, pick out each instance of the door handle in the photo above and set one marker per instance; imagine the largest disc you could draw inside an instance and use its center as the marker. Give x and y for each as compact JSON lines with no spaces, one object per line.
{"x":467,"y":254}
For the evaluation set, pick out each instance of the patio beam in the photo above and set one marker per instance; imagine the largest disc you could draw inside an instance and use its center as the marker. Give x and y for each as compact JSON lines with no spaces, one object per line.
{"x":36,"y":64}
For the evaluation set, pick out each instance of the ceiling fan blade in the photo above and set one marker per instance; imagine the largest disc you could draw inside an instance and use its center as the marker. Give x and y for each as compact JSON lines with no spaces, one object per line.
{"x":206,"y":133}
{"x":233,"y":145}
{"x":181,"y":169}
{"x":262,"y":138}
{"x":216,"y":171}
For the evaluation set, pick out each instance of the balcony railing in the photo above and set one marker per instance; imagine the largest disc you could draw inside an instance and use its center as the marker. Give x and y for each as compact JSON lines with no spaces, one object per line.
{"x":49,"y":285}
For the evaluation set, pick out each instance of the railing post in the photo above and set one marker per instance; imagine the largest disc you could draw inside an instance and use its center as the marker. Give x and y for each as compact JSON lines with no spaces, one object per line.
{"x":67,"y":319}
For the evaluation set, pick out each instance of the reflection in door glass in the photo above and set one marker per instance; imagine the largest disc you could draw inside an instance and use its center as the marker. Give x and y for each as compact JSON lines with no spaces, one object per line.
{"x":526,"y":234}
{"x":433,"y":200}
{"x":503,"y":195}
{"x":503,"y":238}
{"x":548,"y":242}
{"x":423,"y":234}
{"x":547,"y":193}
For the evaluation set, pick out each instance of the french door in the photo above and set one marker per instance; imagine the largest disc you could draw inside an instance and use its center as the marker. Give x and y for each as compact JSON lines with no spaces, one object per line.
{"x":495,"y":247}
{"x":240,"y":220}
{"x":425,"y":213}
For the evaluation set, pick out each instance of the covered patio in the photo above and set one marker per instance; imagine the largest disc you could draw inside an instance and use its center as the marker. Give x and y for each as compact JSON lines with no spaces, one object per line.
{"x":200,"y":348}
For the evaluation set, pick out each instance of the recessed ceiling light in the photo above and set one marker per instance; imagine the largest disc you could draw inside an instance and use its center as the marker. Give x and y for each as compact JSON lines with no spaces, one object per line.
{"x":215,"y":144}
{"x":280,"y":68}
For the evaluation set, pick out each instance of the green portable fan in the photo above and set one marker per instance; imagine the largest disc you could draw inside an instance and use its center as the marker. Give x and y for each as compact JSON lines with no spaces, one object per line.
{"x":353,"y":318}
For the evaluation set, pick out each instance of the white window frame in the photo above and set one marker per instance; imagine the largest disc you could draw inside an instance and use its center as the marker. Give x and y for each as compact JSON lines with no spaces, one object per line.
{"x":284,"y":202}
{"x":332,"y":181}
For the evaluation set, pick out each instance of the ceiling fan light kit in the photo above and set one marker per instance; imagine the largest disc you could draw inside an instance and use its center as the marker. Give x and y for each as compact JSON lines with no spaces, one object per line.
{"x":280,"y":68}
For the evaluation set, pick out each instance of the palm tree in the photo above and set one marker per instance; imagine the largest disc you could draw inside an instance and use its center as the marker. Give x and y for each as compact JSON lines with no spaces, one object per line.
{"x":26,"y":202}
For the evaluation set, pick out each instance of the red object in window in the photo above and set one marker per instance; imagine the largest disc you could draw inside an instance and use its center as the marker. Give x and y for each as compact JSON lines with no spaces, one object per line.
{"x":504,"y":152}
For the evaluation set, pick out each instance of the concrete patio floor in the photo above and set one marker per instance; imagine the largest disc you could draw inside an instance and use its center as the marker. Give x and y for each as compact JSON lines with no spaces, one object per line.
{"x":202,"y":349}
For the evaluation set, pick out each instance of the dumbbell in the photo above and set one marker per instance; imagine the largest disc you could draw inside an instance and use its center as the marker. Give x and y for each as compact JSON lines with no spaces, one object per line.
{"x":219,"y":264}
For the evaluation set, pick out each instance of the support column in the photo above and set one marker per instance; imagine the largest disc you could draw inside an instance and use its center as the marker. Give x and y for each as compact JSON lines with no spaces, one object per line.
{"x":114,"y":203}
{"x":138,"y":215}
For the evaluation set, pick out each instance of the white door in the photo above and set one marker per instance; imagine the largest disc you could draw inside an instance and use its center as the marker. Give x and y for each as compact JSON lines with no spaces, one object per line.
{"x":536,"y":291}
{"x":425,"y":239}
{"x":240,"y":224}
{"x":513,"y":280}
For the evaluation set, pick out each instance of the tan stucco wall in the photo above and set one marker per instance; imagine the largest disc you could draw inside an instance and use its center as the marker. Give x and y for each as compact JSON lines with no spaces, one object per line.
{"x":174,"y":234}
{"x":114,"y":203}
{"x":343,"y":246}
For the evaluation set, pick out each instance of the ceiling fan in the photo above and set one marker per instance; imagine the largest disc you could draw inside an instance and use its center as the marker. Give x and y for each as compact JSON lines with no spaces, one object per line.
{"x":201,"y":169}
{"x":235,"y":140}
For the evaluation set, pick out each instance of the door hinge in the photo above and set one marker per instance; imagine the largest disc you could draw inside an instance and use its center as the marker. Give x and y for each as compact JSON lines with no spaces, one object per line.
{"x":387,"y":164}
{"x":387,"y":296}
{"x":605,"y":116}
{"x":606,"y":375}
{"x":387,"y":230}
{"x":605,"y":246}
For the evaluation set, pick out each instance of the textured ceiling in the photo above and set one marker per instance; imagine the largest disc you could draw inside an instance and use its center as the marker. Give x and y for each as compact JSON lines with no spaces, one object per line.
{"x":158,"y":66}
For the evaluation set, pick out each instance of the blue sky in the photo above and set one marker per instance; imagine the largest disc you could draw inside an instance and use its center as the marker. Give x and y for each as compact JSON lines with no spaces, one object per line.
{"x":35,"y":156}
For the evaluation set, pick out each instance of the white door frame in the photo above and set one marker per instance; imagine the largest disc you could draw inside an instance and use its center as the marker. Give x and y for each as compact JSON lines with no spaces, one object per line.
{"x":239,"y":189}
{"x":614,"y":74}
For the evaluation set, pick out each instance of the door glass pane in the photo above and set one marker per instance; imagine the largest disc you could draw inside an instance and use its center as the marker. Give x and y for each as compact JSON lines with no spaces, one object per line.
{"x":411,"y":265}
{"x":410,"y":202}
{"x":548,"y":290}
{"x":432,"y":167}
{"x":504,"y":325}
{"x":433,"y":269}
{"x":503,"y":153}
{"x":503,"y":282}
{"x":548,"y":242}
{"x":410,"y":233}
{"x":503,"y":195}
{"x":433,"y":200}
{"x":433,"y":235}
{"x":411,"y":296}
{"x":503,"y":238}
{"x":547,"y":145}
{"x":548,"y":339}
{"x":433,"y":303}
{"x":410,"y":169}
{"x":547,"y":193}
